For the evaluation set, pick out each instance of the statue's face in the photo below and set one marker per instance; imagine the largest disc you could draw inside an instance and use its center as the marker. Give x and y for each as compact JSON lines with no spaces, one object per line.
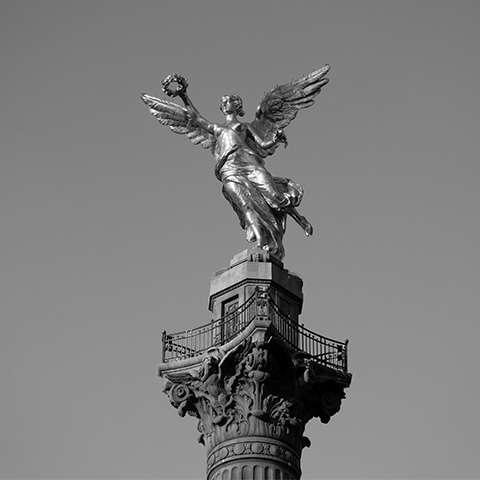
{"x":231,"y":104}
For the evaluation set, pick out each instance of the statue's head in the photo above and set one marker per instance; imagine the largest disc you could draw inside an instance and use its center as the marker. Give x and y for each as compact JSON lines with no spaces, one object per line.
{"x":232,"y":104}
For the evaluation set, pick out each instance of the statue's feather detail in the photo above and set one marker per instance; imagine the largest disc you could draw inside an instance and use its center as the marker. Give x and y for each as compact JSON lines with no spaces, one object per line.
{"x":179,"y":120}
{"x":280,"y":106}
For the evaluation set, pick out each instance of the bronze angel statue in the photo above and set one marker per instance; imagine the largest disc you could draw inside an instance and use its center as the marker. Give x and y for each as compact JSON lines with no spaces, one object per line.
{"x":261,"y":201}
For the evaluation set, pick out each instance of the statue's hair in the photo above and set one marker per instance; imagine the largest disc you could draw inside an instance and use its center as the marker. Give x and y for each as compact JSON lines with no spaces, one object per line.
{"x":235,"y":98}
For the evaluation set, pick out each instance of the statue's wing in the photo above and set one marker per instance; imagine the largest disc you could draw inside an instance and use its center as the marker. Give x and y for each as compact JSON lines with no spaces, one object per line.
{"x":179,"y":120}
{"x":281,"y":105}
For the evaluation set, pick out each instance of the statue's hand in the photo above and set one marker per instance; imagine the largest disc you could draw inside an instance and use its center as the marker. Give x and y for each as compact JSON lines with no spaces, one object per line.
{"x":280,"y":137}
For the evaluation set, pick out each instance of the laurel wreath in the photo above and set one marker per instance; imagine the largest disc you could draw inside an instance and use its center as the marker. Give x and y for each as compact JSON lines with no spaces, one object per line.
{"x":179,"y":87}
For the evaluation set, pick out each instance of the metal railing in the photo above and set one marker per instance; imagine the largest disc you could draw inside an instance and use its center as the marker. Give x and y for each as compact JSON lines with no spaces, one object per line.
{"x":327,"y":351}
{"x":195,"y":342}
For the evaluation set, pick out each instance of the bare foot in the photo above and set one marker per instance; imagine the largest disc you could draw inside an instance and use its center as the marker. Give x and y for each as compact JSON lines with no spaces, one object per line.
{"x":307,"y":227}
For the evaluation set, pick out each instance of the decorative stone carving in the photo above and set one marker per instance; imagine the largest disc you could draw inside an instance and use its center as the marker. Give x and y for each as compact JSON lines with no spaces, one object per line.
{"x":256,"y":399}
{"x":259,"y":453}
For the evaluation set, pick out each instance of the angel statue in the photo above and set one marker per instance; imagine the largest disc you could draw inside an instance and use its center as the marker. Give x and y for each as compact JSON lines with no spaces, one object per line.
{"x":261,"y":201}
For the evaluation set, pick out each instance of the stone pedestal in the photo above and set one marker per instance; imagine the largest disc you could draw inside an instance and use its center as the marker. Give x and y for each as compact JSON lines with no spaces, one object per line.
{"x":248,"y":270}
{"x":254,"y":377}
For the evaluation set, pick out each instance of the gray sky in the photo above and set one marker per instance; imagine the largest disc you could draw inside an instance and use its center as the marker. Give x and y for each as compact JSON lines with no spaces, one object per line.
{"x":112,"y":225}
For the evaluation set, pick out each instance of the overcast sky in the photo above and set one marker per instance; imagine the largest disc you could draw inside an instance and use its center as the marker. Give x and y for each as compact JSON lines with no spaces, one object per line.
{"x":111,"y":226}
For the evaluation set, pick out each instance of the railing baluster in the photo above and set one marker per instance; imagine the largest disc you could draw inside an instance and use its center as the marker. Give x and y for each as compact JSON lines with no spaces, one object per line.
{"x":164,"y":346}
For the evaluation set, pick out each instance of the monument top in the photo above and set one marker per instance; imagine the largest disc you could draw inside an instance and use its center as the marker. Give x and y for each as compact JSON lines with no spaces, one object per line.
{"x":251,"y":268}
{"x":261,"y":201}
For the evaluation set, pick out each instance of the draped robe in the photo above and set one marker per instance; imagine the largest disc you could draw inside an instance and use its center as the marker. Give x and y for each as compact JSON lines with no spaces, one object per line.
{"x":259,"y":199}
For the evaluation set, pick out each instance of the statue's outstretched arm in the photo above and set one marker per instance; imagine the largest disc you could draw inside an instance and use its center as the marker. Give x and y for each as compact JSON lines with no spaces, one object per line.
{"x":199,"y":118}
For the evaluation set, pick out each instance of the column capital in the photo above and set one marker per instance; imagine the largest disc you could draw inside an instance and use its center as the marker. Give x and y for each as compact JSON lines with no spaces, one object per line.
{"x":255,"y":401}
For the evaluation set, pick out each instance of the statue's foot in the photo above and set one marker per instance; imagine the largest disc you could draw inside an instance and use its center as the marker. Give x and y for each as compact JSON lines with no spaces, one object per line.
{"x":307,"y":227}
{"x":301,"y":220}
{"x":250,"y":234}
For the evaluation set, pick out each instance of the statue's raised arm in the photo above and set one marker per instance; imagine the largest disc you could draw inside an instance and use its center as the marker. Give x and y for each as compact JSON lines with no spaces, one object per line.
{"x":182,"y":120}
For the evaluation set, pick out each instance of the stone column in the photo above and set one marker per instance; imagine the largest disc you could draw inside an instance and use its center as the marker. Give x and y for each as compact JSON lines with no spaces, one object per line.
{"x":254,"y":393}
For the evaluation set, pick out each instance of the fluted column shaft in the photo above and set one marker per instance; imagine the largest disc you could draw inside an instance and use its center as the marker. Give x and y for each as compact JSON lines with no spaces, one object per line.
{"x":252,"y":458}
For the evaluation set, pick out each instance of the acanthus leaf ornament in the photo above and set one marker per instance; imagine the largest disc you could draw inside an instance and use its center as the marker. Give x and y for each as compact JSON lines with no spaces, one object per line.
{"x":264,"y":393}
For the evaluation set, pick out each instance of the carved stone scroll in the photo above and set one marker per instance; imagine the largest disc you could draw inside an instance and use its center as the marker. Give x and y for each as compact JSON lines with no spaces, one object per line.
{"x":253,"y":404}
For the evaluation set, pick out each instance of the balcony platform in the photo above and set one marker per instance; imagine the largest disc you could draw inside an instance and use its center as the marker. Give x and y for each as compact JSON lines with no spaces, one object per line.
{"x":254,"y":293}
